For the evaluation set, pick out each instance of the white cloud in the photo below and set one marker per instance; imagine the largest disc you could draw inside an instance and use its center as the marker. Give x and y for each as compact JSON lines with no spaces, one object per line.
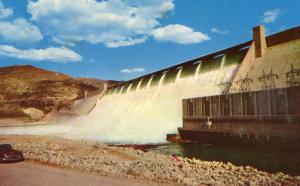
{"x":132,"y":70}
{"x":128,"y":42}
{"x":270,"y":15}
{"x":218,"y":31}
{"x":179,"y":34}
{"x":114,"y":23}
{"x":64,"y":43}
{"x":5,"y":12}
{"x":20,"y":30}
{"x":17,"y":30}
{"x":61,"y":54}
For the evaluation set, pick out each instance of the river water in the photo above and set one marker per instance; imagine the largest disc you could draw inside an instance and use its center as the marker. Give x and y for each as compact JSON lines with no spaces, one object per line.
{"x":270,"y":159}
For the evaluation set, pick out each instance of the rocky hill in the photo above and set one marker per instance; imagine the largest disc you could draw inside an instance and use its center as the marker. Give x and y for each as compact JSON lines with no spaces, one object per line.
{"x":28,"y":92}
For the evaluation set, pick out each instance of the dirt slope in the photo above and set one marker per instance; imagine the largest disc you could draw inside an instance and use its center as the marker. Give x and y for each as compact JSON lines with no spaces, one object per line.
{"x":28,"y":92}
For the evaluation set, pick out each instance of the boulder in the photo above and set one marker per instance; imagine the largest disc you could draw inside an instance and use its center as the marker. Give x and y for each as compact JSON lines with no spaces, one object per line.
{"x":34,"y":113}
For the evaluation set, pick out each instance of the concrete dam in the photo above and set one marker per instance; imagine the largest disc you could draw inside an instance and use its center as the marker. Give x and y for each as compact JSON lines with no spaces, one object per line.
{"x":146,"y":109}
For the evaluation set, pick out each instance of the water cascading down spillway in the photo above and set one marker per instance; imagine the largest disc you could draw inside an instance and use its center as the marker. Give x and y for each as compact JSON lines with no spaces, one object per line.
{"x":145,"y":110}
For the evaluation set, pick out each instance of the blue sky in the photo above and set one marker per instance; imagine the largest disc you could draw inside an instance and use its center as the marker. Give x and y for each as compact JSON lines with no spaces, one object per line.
{"x":123,"y":39}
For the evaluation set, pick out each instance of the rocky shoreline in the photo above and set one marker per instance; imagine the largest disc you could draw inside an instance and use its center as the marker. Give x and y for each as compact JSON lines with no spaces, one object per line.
{"x":135,"y":164}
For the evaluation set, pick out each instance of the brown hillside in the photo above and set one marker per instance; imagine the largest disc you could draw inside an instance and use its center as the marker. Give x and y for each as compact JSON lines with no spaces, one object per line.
{"x":25,"y":86}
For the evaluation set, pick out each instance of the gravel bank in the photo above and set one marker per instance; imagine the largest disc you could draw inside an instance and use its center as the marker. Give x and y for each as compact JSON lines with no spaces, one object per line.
{"x":129,"y":163}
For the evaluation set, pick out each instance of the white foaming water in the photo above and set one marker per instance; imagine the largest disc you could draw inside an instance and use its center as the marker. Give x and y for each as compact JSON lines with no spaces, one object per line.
{"x":142,"y":115}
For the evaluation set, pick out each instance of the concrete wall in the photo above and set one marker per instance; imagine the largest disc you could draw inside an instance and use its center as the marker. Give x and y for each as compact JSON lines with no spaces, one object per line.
{"x":274,"y":112}
{"x":239,"y":127}
{"x":269,"y":102}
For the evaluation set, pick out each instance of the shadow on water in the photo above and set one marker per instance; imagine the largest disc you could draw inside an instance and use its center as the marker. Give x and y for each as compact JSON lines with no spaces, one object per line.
{"x":271,"y":159}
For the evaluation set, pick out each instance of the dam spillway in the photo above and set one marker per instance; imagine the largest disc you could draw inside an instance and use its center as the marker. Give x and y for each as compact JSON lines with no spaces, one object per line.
{"x":145,"y":109}
{"x":148,"y":109}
